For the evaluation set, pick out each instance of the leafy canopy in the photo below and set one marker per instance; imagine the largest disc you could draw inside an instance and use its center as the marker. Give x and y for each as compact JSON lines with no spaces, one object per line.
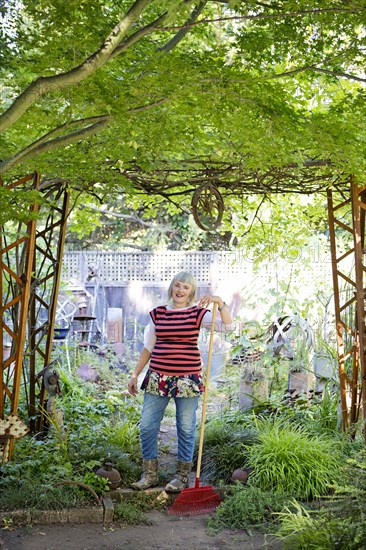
{"x":93,"y":86}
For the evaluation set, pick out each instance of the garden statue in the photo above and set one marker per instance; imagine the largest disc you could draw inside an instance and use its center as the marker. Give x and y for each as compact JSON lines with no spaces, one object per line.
{"x":51,"y":381}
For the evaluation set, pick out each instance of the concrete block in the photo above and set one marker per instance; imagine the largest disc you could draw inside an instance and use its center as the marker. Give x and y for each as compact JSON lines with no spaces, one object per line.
{"x":108,"y":509}
{"x":47,"y":517}
{"x":86,"y":515}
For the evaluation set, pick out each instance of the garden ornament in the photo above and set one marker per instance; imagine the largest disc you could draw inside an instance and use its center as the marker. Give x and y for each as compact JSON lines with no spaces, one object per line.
{"x":52,"y":382}
{"x":111,"y":474}
{"x":65,"y":312}
{"x":207,"y":207}
{"x":51,"y":379}
{"x":287,"y":333}
{"x":11,"y":427}
{"x":241,"y":474}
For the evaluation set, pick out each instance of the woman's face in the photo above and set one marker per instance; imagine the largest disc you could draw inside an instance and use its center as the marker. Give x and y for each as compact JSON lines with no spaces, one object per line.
{"x":181,"y":293}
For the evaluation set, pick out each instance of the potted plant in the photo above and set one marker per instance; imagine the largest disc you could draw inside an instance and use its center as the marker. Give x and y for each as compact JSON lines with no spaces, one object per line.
{"x":253,"y":387}
{"x":325,"y":364}
{"x":293,"y":341}
{"x":249,"y":354}
{"x":301,"y":376}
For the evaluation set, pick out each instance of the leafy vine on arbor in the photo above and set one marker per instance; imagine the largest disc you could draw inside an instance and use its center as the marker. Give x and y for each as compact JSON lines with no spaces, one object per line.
{"x":249,"y":90}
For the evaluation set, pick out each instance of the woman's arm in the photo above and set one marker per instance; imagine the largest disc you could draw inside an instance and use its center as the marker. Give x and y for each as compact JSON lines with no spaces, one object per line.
{"x":140,"y":365}
{"x":225,"y":314}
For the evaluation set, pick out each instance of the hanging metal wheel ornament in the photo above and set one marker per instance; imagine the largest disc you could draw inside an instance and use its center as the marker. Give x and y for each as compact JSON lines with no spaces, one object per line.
{"x":207,"y":207}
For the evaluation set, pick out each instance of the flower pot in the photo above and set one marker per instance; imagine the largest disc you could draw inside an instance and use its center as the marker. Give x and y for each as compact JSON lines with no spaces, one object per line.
{"x":60,"y":333}
{"x":251,"y":393}
{"x":300,"y":381}
{"x":323,"y":365}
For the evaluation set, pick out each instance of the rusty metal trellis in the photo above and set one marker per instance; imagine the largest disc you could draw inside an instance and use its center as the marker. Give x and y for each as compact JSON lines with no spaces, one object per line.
{"x":16,"y":261}
{"x":50,"y":240}
{"x":346,"y":214}
{"x":30,"y":277}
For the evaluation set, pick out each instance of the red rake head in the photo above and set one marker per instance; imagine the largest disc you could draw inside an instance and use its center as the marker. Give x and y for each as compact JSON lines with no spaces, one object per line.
{"x":194,"y":501}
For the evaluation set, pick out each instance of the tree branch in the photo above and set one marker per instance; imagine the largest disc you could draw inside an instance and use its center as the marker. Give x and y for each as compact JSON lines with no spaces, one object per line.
{"x":141,"y":108}
{"x":319,"y":70}
{"x":182,"y":32}
{"x":95,"y":124}
{"x":43,"y":85}
{"x":261,"y":16}
{"x":338,"y":73}
{"x":131,"y":40}
{"x":44,"y":143}
{"x":255,"y":216}
{"x":135,"y":219}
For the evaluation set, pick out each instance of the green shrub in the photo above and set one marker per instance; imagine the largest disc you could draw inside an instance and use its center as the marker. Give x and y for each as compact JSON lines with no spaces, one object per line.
{"x":98,"y":483}
{"x":287,"y":459}
{"x":223,"y":449}
{"x":319,"y":415}
{"x":301,"y":530}
{"x":126,"y":436}
{"x":247,"y":507}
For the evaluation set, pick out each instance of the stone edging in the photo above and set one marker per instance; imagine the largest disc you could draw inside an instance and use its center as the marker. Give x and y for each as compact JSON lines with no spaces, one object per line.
{"x":96,"y":514}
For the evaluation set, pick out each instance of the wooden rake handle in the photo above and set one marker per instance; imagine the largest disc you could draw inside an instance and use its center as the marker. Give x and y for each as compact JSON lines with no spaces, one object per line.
{"x":205,"y":396}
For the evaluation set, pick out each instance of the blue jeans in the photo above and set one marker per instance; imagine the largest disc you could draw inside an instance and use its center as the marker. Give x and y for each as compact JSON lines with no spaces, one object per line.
{"x":152,"y":414}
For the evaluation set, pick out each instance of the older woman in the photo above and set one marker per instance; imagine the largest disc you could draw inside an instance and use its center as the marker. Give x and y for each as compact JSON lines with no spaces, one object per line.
{"x":175,"y":371}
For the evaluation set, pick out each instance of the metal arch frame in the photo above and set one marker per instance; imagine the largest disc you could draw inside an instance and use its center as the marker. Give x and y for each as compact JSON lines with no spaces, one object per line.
{"x":350,"y":310}
{"x":26,"y":303}
{"x":17,"y":307}
{"x":40,"y":268}
{"x":48,"y":268}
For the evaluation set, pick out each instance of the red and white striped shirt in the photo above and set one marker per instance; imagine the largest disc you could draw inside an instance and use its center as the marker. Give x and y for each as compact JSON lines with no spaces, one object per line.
{"x":176,"y":352}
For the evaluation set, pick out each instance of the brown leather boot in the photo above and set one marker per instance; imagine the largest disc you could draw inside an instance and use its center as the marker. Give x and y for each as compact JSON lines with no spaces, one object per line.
{"x":181,"y":479}
{"x":149,"y":477}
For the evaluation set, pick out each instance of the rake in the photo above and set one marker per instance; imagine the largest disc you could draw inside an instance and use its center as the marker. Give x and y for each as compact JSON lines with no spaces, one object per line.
{"x":199,"y":499}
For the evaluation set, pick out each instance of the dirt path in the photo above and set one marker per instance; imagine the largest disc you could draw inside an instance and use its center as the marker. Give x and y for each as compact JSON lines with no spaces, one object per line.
{"x":166,"y":532}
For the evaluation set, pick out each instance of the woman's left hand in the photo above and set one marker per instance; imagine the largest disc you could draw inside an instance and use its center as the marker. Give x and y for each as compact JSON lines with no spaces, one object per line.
{"x":206,"y":300}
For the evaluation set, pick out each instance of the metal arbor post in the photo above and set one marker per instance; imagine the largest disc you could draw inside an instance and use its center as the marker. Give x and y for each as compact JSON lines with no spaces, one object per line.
{"x":50,"y":240}
{"x":30,"y":277}
{"x":346,"y":216}
{"x":16,"y":262}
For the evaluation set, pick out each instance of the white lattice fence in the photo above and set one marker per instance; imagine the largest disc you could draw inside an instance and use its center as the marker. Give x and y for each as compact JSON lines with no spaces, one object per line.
{"x":151,"y":267}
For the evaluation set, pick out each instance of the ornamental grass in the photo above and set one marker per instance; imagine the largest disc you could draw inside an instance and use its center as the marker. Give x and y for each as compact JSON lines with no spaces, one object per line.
{"x":288,"y":459}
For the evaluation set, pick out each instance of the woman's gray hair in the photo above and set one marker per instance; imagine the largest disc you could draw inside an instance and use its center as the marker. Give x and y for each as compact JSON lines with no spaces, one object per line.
{"x":184,"y":277}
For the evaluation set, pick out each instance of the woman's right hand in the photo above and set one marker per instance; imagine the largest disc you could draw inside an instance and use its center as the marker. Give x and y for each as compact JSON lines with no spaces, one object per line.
{"x":132,"y":385}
